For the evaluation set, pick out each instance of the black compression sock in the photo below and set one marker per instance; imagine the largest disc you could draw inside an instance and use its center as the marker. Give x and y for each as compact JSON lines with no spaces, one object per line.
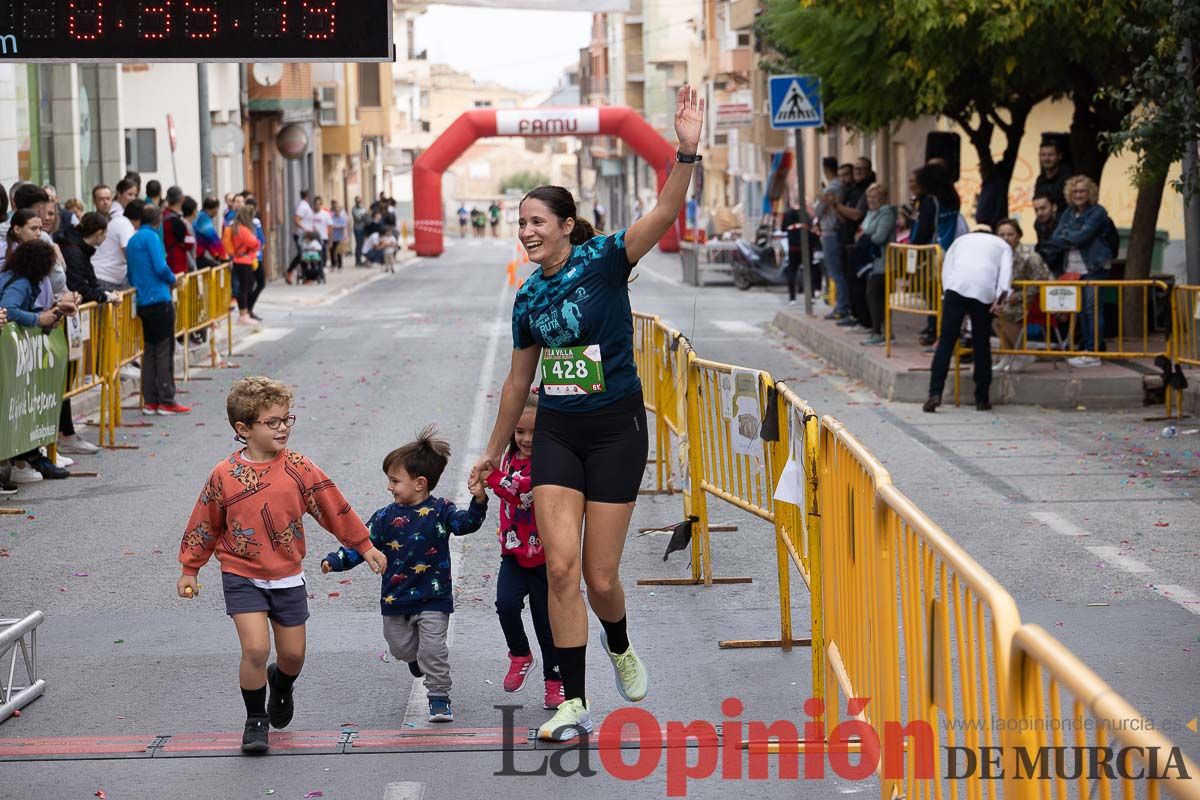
{"x":572,"y":663}
{"x":283,"y":682}
{"x":256,"y":701}
{"x":618,"y":637}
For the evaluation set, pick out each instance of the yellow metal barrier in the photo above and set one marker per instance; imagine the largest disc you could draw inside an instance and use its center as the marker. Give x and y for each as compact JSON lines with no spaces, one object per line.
{"x":912,"y":284}
{"x":1185,"y":338}
{"x":1064,"y":300}
{"x":1055,"y":701}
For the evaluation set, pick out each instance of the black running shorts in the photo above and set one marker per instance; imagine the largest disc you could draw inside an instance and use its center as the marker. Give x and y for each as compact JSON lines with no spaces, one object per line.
{"x":599,"y":453}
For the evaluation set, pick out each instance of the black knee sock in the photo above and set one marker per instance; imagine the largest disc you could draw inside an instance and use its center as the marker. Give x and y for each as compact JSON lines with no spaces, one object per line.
{"x":283,"y":682}
{"x":618,"y":637}
{"x":572,"y":663}
{"x":256,"y":701}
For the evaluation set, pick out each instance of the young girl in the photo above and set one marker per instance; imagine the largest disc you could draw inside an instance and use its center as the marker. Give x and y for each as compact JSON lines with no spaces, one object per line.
{"x":523,"y":564}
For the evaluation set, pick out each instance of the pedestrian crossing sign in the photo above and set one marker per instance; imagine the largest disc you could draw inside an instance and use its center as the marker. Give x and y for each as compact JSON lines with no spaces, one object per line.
{"x":796,"y":102}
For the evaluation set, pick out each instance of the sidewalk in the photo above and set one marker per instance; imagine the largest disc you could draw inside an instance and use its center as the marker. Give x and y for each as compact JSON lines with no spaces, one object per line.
{"x":904,"y":377}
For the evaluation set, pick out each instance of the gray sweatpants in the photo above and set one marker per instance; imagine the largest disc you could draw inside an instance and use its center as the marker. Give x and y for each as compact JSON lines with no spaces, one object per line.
{"x":422,"y":638}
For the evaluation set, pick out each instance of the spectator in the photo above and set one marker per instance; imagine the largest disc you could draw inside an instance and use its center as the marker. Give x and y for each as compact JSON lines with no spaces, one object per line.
{"x":175,"y":232}
{"x":136,"y":179}
{"x":78,"y":245}
{"x":321,"y":224}
{"x":189,"y":210}
{"x":878,"y":230}
{"x":153,"y":280}
{"x":154,"y":194}
{"x":976,"y":276}
{"x":21,"y":296}
{"x":1027,"y":266}
{"x":1052,"y":180}
{"x":359,"y":216}
{"x":24,"y":226}
{"x":102,"y":200}
{"x":339,"y":227}
{"x":209,"y":250}
{"x":52,"y":216}
{"x":74,"y":210}
{"x":795,"y":230}
{"x":109,"y":261}
{"x":302,"y":223}
{"x":1046,"y":216}
{"x":1083,"y":234}
{"x":28,"y":197}
{"x":851,"y":211}
{"x":61,"y":210}
{"x":260,"y":270}
{"x":372,"y":251}
{"x":388,"y":207}
{"x":938,"y":219}
{"x":832,"y":254}
{"x":232,"y":205}
{"x":242,"y":245}
{"x":906,"y":216}
{"x":127,"y":192}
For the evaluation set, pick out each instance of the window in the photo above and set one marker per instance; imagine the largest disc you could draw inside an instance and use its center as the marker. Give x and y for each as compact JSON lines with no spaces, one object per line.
{"x":141,"y":149}
{"x":368,"y":86}
{"x":329,"y":115}
{"x":720,"y":139}
{"x":743,"y":39}
{"x":483,"y":103}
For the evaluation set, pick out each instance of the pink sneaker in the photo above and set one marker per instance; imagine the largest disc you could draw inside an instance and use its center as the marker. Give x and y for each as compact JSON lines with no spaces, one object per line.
{"x":554,"y":695}
{"x":518,"y":671}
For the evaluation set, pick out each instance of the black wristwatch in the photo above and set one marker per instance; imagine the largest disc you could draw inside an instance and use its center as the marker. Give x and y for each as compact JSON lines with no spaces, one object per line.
{"x":684,"y":158}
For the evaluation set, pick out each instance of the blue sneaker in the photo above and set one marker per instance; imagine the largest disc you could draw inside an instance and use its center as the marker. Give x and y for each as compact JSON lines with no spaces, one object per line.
{"x":439,"y":710}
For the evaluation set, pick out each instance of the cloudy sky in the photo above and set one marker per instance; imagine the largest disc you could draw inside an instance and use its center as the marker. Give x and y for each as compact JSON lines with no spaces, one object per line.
{"x":521,"y":49}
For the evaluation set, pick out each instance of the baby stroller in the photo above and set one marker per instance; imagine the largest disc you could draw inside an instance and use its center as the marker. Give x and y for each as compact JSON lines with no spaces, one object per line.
{"x":312,"y":266}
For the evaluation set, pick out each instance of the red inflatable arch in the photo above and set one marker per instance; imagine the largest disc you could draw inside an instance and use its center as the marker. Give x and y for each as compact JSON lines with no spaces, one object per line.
{"x":482,"y":123}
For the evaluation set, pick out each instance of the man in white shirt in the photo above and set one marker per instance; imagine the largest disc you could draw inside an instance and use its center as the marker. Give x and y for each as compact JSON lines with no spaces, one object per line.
{"x":976,"y":277}
{"x":302,"y":223}
{"x":112,"y":273}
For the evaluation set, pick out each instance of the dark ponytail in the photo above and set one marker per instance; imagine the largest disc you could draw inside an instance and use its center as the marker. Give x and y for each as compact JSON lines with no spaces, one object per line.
{"x":582,"y":231}
{"x":562,"y":205}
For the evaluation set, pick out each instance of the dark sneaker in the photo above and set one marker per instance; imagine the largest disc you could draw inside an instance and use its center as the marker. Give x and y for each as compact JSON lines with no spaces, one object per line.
{"x":48,"y":469}
{"x":983,"y":405}
{"x":415,"y":670}
{"x":847,"y":322}
{"x":254,"y":738}
{"x":279,"y":705}
{"x":931,"y":405}
{"x":927,"y":339}
{"x":439,"y":710}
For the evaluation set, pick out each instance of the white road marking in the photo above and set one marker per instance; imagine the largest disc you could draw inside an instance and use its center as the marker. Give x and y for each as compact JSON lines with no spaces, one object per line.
{"x":1114,"y":556}
{"x":653,"y":274}
{"x":416,"y":714}
{"x":1058,"y":524}
{"x":404,"y":790}
{"x":1179,"y":595}
{"x":265,"y":335}
{"x":736,"y":326}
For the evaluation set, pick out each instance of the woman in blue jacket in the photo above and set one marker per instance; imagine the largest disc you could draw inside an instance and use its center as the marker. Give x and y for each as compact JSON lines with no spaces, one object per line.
{"x":1080,"y":234}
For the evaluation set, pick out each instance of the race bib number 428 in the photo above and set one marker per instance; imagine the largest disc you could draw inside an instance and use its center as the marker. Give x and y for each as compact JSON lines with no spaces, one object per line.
{"x":572,"y":370}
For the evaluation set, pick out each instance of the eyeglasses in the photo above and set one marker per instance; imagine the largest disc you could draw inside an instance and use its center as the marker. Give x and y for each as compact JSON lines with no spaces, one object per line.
{"x":276,"y":423}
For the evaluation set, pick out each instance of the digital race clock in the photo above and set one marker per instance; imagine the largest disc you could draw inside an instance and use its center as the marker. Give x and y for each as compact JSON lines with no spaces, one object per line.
{"x":195,"y":30}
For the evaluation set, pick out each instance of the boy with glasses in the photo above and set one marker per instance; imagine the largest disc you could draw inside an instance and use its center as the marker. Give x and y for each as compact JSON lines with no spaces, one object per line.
{"x":250,"y":514}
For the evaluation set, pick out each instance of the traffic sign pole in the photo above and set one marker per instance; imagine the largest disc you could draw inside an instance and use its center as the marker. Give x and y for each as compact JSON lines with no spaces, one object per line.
{"x":806,"y":222}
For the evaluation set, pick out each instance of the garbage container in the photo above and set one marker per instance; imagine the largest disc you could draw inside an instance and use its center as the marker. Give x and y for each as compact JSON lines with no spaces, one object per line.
{"x":1161,"y":238}
{"x":689,"y":257}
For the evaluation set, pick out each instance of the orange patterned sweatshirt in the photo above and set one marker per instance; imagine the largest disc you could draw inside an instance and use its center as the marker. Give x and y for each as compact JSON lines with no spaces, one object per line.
{"x":251,"y":516}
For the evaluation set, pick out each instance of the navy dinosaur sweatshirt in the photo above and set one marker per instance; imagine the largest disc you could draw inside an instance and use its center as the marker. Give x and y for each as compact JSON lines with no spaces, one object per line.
{"x":416,"y":540}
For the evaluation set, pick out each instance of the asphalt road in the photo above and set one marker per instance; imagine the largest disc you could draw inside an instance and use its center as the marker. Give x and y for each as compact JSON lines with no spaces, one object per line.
{"x":1088,"y":519}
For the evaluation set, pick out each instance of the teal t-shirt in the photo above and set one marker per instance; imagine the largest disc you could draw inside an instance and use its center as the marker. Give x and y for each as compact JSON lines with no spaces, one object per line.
{"x":585,"y":303}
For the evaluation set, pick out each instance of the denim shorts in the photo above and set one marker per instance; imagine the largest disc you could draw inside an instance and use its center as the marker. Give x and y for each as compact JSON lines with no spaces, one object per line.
{"x":288,"y":607}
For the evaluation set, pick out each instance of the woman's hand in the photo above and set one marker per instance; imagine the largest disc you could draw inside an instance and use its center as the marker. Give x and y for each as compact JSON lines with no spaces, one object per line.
{"x":689,"y":118}
{"x":49,"y":318}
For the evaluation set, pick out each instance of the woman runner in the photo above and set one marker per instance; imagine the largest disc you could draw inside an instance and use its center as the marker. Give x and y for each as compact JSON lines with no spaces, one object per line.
{"x":572,"y":319}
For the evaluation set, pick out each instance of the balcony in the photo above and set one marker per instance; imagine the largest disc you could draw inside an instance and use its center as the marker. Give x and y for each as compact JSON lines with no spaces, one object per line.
{"x":738,"y":61}
{"x":341,"y":140}
{"x":741,"y":14}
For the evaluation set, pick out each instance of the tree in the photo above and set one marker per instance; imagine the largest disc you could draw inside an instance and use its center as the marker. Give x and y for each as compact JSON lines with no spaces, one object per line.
{"x":983,"y":63}
{"x":524,"y":181}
